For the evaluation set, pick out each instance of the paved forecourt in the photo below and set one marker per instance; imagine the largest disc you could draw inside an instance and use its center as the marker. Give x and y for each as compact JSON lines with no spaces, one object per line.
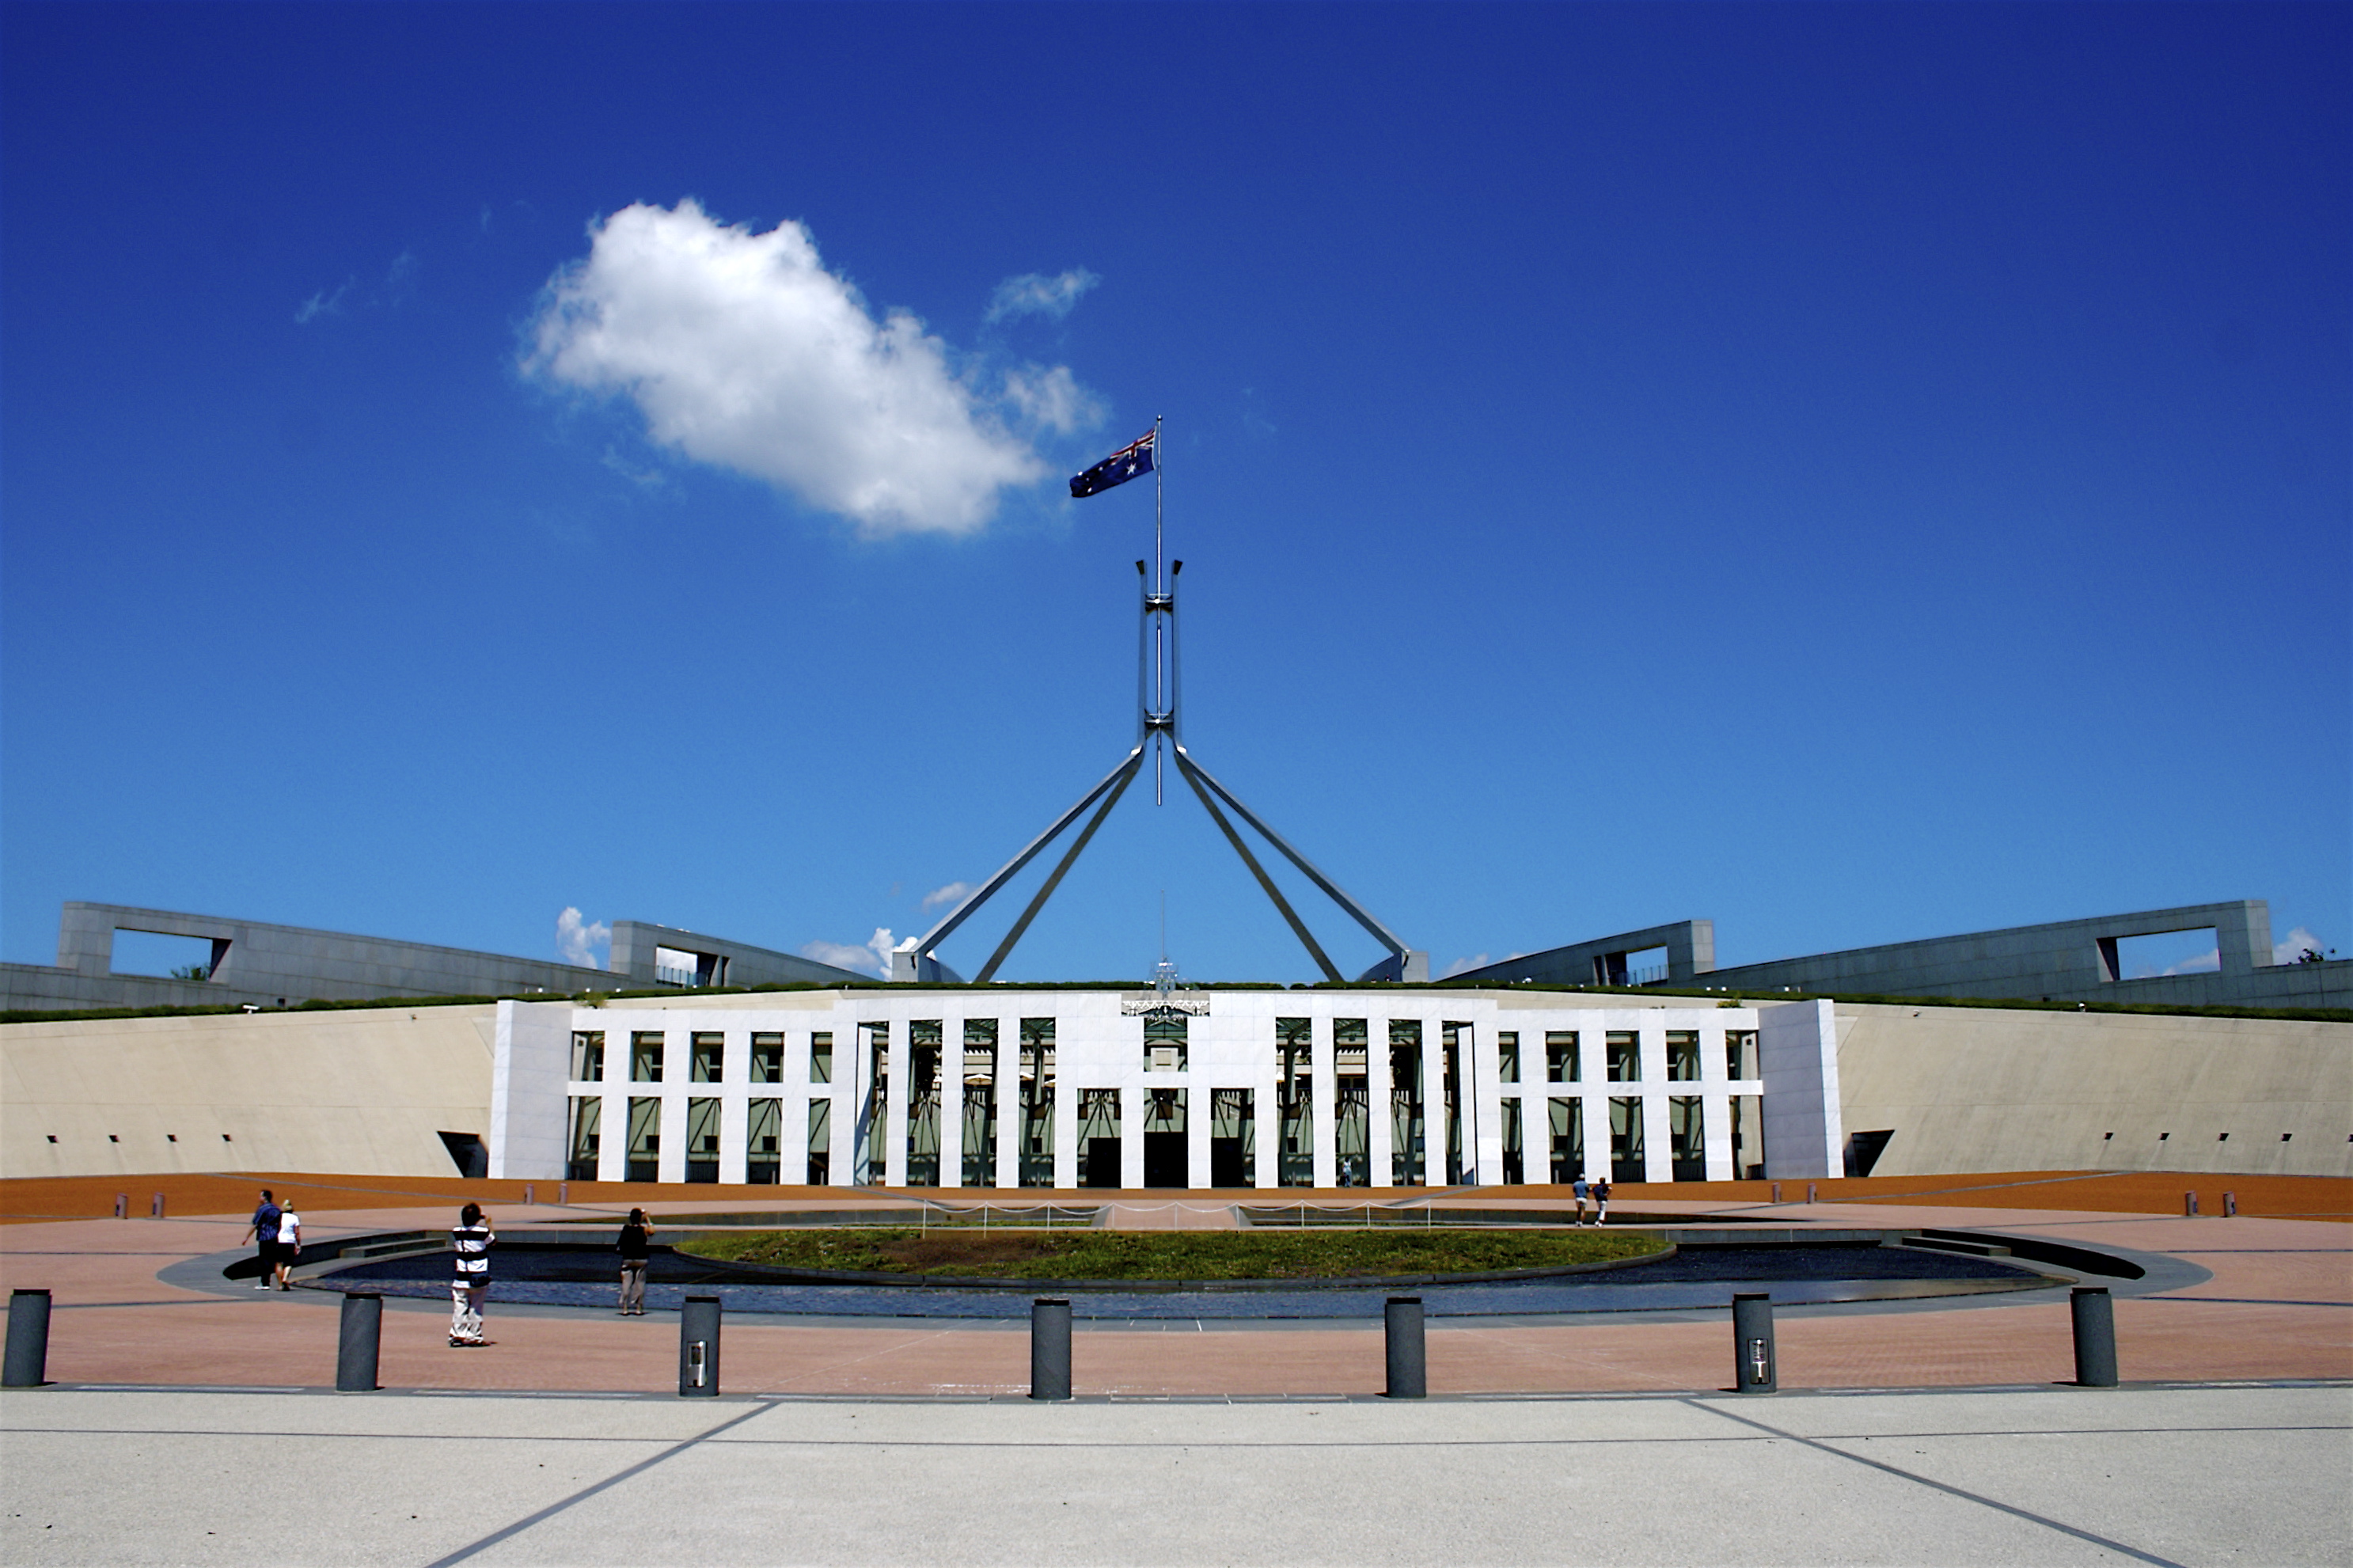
{"x":2155,"y":1475}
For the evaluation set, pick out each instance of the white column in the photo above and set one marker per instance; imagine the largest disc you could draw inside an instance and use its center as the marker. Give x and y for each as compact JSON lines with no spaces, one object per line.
{"x":734,"y":1128}
{"x":1006,"y":1085}
{"x":894,"y":1115}
{"x":670,"y":1157}
{"x":1380,"y":1138}
{"x":1201,"y":1098}
{"x":1437,"y":1140}
{"x":1324,"y":1092}
{"x":951,"y":1102}
{"x":1066,"y":1124}
{"x":1596,"y":1109}
{"x":793,"y":1088}
{"x":1266,"y":1122}
{"x":1132,"y":1101}
{"x":613,"y":1127}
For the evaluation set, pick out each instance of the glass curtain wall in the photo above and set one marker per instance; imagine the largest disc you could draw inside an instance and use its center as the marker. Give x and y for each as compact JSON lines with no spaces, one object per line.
{"x":1352,"y":1109}
{"x":1625,"y":1050}
{"x":587,"y":1115}
{"x":980,"y":1102}
{"x":1098,"y":1138}
{"x":873,"y":1116}
{"x":1687,"y":1137}
{"x":1626,"y":1158}
{"x":923,"y":1103}
{"x":1233,"y":1138}
{"x":820,"y":1143}
{"x":707,"y":1058}
{"x":1683,"y":1055}
{"x":587,"y":1055}
{"x":1037,"y":1102}
{"x":642,"y":1159}
{"x":1450,"y":1108}
{"x":1561,"y":1064}
{"x":1749,"y":1137}
{"x":1515,"y":1159}
{"x":764,"y":1142}
{"x":767,"y":1058}
{"x":1295,"y":1103}
{"x":702,"y":1141}
{"x":1568,"y":1132}
{"x":1167,"y":1159}
{"x":1406,"y":1167}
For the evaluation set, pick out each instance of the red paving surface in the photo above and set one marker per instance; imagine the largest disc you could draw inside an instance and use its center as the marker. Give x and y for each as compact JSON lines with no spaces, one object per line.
{"x":2280,"y":1305}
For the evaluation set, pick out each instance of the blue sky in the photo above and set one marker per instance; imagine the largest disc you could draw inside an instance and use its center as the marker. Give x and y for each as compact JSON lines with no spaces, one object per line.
{"x":1854,"y":473}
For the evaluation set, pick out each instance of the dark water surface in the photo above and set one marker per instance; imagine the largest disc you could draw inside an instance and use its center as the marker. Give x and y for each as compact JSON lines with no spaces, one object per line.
{"x":1694,"y":1278}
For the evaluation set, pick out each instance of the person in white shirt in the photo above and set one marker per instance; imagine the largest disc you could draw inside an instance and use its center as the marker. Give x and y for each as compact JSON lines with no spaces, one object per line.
{"x":289,"y":1246}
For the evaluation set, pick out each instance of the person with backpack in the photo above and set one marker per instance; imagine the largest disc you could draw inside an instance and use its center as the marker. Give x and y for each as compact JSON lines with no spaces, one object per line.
{"x":633,"y":1249}
{"x":471,"y":1242}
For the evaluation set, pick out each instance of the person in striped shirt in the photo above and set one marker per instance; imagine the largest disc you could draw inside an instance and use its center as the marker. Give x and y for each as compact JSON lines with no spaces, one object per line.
{"x":471,"y":1242}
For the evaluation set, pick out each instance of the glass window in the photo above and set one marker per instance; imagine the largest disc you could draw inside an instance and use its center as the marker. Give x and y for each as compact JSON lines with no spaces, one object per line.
{"x":821,"y":1058}
{"x":1507,"y":1057}
{"x":923,"y":1041}
{"x":1625,"y":1057}
{"x":702,"y":1141}
{"x":587,"y":1113}
{"x":1515,"y":1159}
{"x":646,"y":1057}
{"x":1037,"y":1161}
{"x":767,"y":1058}
{"x":1683,"y":1055}
{"x":1098,"y":1138}
{"x":587,"y":1057}
{"x":708,"y":1063}
{"x":1740,"y":1053}
{"x":1626,"y":1158}
{"x":1165,"y":1045}
{"x":1295,"y":1102}
{"x":1567,"y":1124}
{"x":1561,"y":1066}
{"x":1407,"y":1146}
{"x":821,"y":1142}
{"x":1749,"y":1137}
{"x":1686,"y":1140}
{"x":867,"y":1157}
{"x":764,"y":1142}
{"x":980,"y":1102}
{"x":1233,"y":1138}
{"x":645,"y":1141}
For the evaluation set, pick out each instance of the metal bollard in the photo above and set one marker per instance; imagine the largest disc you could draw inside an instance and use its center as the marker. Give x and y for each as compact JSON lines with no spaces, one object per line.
{"x":1810,"y":1191}
{"x":563,"y":1192}
{"x":1050,"y":1348}
{"x":2188,"y":1205}
{"x":2095,"y":1318}
{"x":156,"y":1209}
{"x":528,"y":1191}
{"x":698,"y":1348}
{"x":1754,"y":1368}
{"x":1776,"y":1192}
{"x":122,"y":1205}
{"x":2229,"y":1205}
{"x":1408,"y":1367}
{"x":356,"y":1346}
{"x":28,"y":1363}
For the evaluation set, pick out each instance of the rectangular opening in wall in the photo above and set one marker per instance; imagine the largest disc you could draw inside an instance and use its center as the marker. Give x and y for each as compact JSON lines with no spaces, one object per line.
{"x":1507,"y":1056}
{"x":1740,"y":1055}
{"x":1407,"y":1158}
{"x":820,"y":1143}
{"x":1687,"y":1137}
{"x":587,"y":1060}
{"x":1037,"y":1159}
{"x":702,"y":1141}
{"x":166,"y":957}
{"x":710,"y":1058}
{"x":767,"y":1058}
{"x":1454,"y":1041}
{"x":676,"y":967}
{"x":1863,"y":1149}
{"x":924,"y":1047}
{"x":1099,"y":1141}
{"x":587,"y":1115}
{"x":764,"y":1142}
{"x":1515,"y":1159}
{"x":1626,"y":1160}
{"x":1683,"y":1055}
{"x":1294,"y":1102}
{"x":644,"y":1157}
{"x":1165,"y":1043}
{"x":646,"y":1056}
{"x":2190,"y":952}
{"x":1167,"y":1159}
{"x":1233,"y":1138}
{"x":867,"y":1157}
{"x":1642,"y":966}
{"x":979,"y":1102}
{"x":1352,"y":1108}
{"x":1625,"y":1050}
{"x":1561,"y":1064}
{"x":821,"y":1058}
{"x":1749,"y":1137}
{"x":467,"y":1153}
{"x":1566,"y":1125}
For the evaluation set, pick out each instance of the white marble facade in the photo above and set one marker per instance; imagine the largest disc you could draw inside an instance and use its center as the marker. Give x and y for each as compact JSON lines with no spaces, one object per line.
{"x":1231,"y":1043}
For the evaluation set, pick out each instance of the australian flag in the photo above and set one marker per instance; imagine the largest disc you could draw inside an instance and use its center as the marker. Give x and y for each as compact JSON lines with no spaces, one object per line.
{"x":1117,"y":469}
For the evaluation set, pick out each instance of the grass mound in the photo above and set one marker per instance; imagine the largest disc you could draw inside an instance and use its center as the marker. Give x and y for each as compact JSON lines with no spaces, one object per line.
{"x":1171,"y":1255}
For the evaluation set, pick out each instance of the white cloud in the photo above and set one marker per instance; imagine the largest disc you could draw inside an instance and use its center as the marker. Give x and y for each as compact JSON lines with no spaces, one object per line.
{"x":1034,"y":293}
{"x":951,"y":893}
{"x":2298,"y":942}
{"x":587,"y":944}
{"x":323,"y":303}
{"x":2202,"y":963}
{"x":1053,"y":399}
{"x":875,"y":956}
{"x":1464,"y":966}
{"x":742,"y":351}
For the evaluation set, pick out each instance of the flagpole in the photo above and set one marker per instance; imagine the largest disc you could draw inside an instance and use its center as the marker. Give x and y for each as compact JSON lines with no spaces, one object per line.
{"x":1159,"y":591}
